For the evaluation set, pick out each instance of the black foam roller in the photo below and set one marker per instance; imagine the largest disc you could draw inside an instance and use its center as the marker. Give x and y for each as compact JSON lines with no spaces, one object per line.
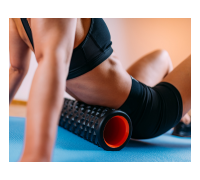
{"x":108,"y":128}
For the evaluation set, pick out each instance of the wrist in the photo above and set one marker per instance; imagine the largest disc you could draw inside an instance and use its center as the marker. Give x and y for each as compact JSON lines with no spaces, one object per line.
{"x":34,"y":158}
{"x":35,"y":153}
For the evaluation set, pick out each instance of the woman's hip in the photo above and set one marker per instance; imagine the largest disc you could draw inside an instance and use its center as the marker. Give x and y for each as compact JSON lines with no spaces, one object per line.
{"x":153,"y":111}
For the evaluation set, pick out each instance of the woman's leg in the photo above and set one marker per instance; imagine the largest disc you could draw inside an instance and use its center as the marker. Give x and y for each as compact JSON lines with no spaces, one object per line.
{"x":152,"y":68}
{"x":180,"y":77}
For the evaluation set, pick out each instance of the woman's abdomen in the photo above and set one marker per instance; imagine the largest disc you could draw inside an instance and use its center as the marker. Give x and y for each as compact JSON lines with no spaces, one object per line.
{"x":106,"y":85}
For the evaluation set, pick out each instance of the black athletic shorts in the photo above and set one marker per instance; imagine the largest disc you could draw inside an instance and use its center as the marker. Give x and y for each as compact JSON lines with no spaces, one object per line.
{"x":153,"y":110}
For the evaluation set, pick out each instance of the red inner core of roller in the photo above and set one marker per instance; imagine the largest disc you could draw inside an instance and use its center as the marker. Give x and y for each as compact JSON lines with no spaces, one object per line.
{"x":116,"y":131}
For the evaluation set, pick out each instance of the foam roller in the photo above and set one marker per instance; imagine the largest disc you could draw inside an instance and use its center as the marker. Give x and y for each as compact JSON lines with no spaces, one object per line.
{"x":108,"y":128}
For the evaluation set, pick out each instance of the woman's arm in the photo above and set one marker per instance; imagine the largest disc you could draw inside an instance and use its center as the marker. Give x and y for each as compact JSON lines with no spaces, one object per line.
{"x":53,"y":42}
{"x":19,"y":59}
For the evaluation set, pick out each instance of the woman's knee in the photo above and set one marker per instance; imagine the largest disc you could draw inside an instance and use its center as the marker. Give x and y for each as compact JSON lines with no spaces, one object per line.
{"x":164,"y":59}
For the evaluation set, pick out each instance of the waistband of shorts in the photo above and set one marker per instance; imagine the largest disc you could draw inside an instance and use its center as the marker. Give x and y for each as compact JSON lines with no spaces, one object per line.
{"x":132,"y":103}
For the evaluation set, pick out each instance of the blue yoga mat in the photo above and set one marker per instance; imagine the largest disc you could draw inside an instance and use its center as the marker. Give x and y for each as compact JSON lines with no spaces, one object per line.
{"x":71,"y":148}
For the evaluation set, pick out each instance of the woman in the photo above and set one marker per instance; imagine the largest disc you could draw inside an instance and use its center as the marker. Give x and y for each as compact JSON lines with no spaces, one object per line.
{"x":76,"y":55}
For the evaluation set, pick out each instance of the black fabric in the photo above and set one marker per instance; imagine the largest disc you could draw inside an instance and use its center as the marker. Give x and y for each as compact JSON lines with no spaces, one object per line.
{"x":28,"y":30}
{"x":182,"y":130}
{"x":95,"y":48}
{"x":153,"y":111}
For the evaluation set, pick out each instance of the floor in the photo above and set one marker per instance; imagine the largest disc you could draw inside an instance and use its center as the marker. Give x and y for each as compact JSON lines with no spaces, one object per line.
{"x":17,"y":110}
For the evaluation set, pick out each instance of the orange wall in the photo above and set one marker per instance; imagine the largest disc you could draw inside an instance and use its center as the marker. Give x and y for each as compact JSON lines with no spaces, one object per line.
{"x":134,"y":37}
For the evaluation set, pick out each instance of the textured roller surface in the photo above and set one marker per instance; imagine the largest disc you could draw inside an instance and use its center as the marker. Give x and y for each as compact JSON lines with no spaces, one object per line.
{"x":88,"y":121}
{"x":81,"y":119}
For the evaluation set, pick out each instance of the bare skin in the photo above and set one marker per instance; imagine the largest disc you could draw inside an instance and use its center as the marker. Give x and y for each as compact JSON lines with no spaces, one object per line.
{"x":107,"y":85}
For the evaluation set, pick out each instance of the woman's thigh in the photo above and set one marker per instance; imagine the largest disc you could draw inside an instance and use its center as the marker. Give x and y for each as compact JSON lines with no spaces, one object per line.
{"x":180,"y":78}
{"x":151,"y":68}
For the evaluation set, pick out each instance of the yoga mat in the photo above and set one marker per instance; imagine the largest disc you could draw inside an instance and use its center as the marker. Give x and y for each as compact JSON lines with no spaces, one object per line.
{"x":72,"y":148}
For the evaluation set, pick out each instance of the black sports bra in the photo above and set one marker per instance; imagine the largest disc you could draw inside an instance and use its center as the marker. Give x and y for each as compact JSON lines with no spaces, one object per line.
{"x":93,"y":50}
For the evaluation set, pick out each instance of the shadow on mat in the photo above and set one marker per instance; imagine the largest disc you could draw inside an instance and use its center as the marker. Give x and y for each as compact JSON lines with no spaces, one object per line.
{"x":70,"y":141}
{"x":168,"y":144}
{"x":84,"y":145}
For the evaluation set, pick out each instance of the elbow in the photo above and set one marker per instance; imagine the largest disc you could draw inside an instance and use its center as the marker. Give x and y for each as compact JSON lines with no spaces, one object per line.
{"x":19,"y":71}
{"x":56,"y":53}
{"x":55,"y":56}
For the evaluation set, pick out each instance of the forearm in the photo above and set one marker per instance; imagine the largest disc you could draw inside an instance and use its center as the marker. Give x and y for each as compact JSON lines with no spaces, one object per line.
{"x":16,"y":77}
{"x":43,"y":110}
